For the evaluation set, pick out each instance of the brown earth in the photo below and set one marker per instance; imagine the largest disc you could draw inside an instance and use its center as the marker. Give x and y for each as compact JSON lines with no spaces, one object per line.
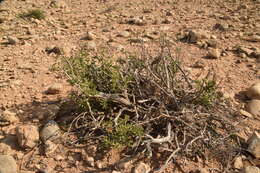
{"x":26,"y":68}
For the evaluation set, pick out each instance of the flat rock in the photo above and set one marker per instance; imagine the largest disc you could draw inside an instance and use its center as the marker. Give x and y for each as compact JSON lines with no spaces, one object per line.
{"x":27,"y":135}
{"x":245,"y":113}
{"x":124,"y":34}
{"x":254,"y":91}
{"x":50,"y":131}
{"x":246,"y":50}
{"x":254,"y":38}
{"x":254,"y":145}
{"x":253,"y":107}
{"x":251,"y":169}
{"x":7,"y":164}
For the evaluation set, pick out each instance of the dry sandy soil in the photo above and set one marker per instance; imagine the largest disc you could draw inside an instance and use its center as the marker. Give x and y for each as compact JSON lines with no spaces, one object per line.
{"x":26,"y":68}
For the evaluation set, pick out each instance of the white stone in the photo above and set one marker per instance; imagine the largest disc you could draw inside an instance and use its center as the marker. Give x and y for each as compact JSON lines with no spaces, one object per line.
{"x":253,"y":107}
{"x":238,"y":162}
{"x":254,"y":91}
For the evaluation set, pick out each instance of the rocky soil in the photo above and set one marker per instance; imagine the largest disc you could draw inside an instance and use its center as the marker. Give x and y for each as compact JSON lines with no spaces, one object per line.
{"x":221,"y":36}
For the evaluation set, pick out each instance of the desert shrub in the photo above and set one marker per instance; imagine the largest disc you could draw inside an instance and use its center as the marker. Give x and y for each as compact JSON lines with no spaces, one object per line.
{"x":123,"y":134}
{"x":36,"y":14}
{"x":144,"y":102}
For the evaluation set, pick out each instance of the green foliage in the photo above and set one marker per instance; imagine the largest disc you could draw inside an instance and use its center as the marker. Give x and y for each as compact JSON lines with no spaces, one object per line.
{"x":207,"y":92}
{"x":36,"y":14}
{"x":123,"y":134}
{"x":94,"y":75}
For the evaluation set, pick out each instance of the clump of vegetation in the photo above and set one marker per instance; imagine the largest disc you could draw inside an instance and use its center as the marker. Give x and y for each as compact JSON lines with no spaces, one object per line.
{"x":35,"y":14}
{"x":208,"y":92}
{"x":144,"y":102}
{"x":122,"y":135}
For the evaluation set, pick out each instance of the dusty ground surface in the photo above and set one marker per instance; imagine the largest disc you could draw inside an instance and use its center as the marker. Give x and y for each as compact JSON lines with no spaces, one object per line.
{"x":26,"y":66}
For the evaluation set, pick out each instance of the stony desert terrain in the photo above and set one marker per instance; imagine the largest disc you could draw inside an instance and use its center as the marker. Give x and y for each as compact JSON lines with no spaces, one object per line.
{"x":221,"y":36}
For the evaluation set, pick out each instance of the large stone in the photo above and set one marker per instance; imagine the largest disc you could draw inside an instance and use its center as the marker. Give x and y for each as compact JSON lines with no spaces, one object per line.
{"x":197,"y":35}
{"x":142,"y":168}
{"x":238,"y":162}
{"x":253,"y":107}
{"x":47,"y":112}
{"x":9,"y":116}
{"x":254,"y":144}
{"x":50,"y":131}
{"x":27,"y":135}
{"x":251,"y":169}
{"x":212,"y":43}
{"x":254,"y":91}
{"x":58,"y":4}
{"x":12,"y":40}
{"x":214,"y":53}
{"x":54,"y":88}
{"x":7,"y":164}
{"x":245,"y":113}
